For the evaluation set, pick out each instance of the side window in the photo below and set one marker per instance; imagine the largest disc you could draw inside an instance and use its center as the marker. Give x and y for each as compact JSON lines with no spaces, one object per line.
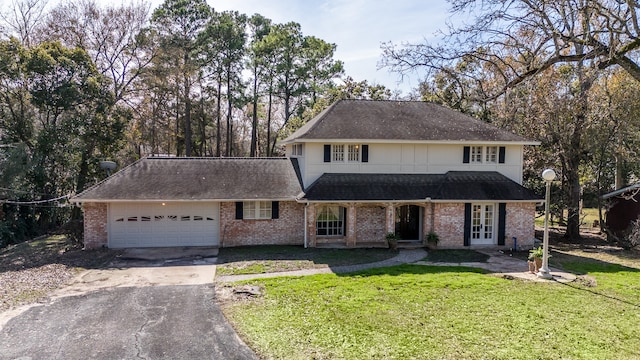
{"x":296,"y":150}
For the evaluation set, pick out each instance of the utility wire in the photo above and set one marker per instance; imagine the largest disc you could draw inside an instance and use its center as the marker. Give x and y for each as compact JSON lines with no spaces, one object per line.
{"x":33,"y":202}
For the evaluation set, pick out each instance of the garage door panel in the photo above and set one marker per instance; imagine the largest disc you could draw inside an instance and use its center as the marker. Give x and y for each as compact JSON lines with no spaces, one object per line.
{"x":158,"y":225}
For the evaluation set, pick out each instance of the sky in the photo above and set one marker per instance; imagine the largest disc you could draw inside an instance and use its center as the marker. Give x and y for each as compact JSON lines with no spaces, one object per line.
{"x":357,"y":27}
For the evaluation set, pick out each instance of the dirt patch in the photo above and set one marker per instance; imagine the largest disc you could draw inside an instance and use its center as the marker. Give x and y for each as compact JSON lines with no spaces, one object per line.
{"x":227,"y":294}
{"x":30,"y":271}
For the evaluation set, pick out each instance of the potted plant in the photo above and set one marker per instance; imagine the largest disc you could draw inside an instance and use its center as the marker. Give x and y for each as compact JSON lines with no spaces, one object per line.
{"x":535,"y":259}
{"x":432,"y":240}
{"x":392,"y":240}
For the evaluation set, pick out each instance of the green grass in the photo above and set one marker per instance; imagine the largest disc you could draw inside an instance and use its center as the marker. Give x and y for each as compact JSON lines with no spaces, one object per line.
{"x":266,"y":259}
{"x":587,"y":216}
{"x":456,"y":256}
{"x":424,"y":312}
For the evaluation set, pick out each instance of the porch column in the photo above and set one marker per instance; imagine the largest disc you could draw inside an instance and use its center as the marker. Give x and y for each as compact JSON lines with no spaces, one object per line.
{"x":390,"y":218}
{"x":427,"y":220}
{"x":311,"y":225}
{"x":351,"y":225}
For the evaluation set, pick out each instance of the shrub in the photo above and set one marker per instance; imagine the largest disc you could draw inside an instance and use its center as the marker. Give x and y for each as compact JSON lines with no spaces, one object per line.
{"x":632,"y":240}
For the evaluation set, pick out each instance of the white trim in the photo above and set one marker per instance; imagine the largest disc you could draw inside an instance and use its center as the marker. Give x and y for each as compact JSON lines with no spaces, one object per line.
{"x":393,"y":141}
{"x":426,"y":201}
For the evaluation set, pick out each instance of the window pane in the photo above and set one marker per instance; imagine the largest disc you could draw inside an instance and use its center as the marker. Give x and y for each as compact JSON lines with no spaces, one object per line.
{"x":338,"y":153}
{"x":330,"y":221}
{"x":354,"y":152}
{"x":476,"y":154}
{"x":265,"y":210}
{"x":492,"y":154}
{"x":249,"y":210}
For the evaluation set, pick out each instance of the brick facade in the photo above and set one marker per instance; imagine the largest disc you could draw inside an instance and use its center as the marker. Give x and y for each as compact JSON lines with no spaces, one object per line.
{"x":288,"y":229}
{"x":366,"y":225}
{"x":448,"y":224}
{"x":370,"y":225}
{"x":95,"y":225}
{"x":520,"y":224}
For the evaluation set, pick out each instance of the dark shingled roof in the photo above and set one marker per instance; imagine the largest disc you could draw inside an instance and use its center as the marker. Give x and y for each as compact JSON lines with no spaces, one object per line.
{"x":199,"y":179}
{"x":399,"y":120}
{"x":454,"y":185}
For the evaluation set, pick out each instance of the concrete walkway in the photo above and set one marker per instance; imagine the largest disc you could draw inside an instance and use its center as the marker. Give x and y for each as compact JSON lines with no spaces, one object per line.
{"x":498,"y":263}
{"x":508,"y":267}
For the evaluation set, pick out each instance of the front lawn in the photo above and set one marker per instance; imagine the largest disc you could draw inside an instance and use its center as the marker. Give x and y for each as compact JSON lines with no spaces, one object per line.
{"x":425,"y":312}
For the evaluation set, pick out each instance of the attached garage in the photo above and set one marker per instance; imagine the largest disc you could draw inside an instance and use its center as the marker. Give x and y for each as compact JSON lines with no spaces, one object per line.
{"x":178,"y":202}
{"x":164,"y":224}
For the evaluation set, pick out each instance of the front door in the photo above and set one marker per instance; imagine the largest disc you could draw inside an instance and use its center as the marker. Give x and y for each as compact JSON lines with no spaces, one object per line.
{"x":482,"y":224}
{"x":408,"y":222}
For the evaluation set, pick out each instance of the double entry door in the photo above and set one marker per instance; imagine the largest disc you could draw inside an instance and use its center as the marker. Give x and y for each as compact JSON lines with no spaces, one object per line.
{"x":483,"y":224}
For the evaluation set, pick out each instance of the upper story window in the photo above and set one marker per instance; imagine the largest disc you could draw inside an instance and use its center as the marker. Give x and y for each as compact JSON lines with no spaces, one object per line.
{"x":337,"y":153}
{"x":341,"y":153}
{"x":476,"y":154}
{"x":491,"y":154}
{"x":353,"y":153}
{"x":296,"y":150}
{"x":484,"y":155}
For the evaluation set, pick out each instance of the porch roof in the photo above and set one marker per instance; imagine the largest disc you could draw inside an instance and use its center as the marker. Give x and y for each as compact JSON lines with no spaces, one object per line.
{"x":452,"y":186}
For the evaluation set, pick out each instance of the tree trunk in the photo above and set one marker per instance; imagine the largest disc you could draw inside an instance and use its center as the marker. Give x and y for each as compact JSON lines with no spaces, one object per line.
{"x":620,"y":178}
{"x":268,"y":149}
{"x":187,"y":118}
{"x":229,"y":151}
{"x":254,"y":123}
{"x":218,"y":116}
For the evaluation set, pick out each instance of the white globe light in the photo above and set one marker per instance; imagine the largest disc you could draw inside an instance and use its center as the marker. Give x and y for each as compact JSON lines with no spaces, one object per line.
{"x":548,"y":175}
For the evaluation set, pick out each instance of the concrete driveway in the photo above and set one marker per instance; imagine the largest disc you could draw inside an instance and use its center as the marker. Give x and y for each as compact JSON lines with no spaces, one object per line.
{"x":126,"y":313}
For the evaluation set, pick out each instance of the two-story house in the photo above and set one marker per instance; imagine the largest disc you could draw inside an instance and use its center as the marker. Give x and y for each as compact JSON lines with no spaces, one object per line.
{"x":357,"y":171}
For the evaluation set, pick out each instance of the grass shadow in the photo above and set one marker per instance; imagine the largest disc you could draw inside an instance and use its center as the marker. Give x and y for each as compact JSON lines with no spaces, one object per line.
{"x":456,"y":256}
{"x":329,"y":257}
{"x":405,"y":269}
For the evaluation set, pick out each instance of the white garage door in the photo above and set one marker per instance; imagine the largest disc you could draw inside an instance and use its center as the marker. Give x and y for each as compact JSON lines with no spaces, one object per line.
{"x":164,"y":224}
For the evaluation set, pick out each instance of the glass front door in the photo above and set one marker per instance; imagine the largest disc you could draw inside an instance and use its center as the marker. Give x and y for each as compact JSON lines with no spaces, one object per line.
{"x":482,"y":224}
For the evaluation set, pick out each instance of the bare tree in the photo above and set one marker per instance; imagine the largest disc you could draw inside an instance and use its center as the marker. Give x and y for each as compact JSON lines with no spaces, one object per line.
{"x":515,"y":40}
{"x":113,"y":36}
{"x":23,"y":18}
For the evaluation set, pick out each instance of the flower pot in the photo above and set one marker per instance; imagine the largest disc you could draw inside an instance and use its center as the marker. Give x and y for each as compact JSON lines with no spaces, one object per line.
{"x":538,"y":263}
{"x":532,"y":266}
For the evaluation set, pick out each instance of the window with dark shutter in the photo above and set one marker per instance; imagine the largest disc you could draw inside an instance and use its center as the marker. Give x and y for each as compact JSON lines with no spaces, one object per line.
{"x":467,"y":224}
{"x":502,"y":216}
{"x":275,"y":210}
{"x":239,"y":210}
{"x":465,"y":154}
{"x":327,"y":153}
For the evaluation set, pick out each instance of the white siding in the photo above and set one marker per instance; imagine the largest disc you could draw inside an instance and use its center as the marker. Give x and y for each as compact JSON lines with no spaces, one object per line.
{"x":408,"y":159}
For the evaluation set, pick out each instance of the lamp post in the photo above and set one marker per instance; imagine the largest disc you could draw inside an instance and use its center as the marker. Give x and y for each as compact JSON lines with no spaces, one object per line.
{"x":548,"y":175}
